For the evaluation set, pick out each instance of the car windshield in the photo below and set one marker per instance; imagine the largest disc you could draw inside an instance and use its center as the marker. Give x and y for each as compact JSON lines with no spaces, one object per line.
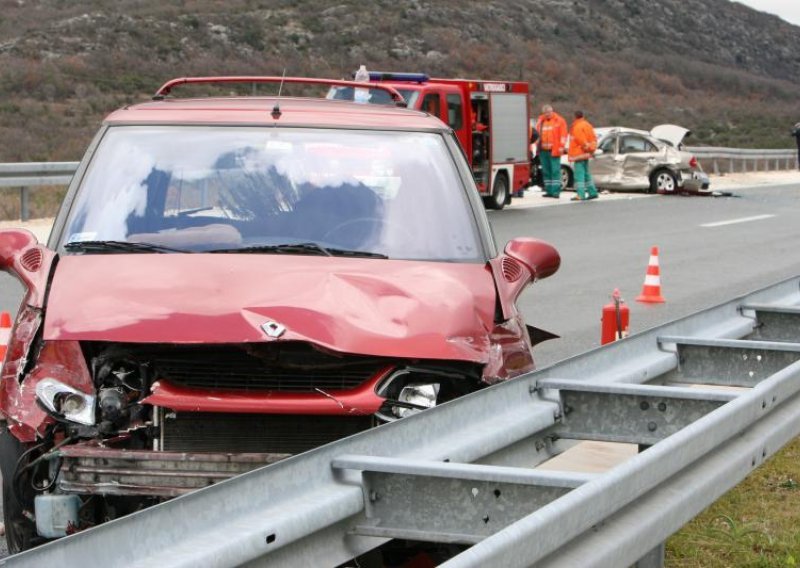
{"x":227,"y":189}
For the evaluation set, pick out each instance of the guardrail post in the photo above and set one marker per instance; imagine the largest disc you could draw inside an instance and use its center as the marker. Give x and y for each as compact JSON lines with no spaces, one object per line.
{"x":24,"y":212}
{"x":653,"y":559}
{"x":716,"y":167}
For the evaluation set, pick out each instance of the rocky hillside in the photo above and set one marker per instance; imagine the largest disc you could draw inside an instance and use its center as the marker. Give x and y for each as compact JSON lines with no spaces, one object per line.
{"x":728,"y":72}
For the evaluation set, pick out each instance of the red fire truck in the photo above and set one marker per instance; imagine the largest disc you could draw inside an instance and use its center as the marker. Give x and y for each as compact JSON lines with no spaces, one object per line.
{"x":490,"y":119}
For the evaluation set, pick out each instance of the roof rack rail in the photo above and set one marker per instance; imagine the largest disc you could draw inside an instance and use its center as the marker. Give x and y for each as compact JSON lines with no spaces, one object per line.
{"x":167,"y":87}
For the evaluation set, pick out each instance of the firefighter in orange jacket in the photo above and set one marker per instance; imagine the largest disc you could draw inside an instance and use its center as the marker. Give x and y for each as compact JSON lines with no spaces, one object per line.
{"x":552,"y":142}
{"x":582,"y":144}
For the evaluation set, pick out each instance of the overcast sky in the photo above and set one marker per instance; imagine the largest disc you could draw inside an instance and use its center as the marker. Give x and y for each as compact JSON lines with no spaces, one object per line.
{"x":789,"y":10}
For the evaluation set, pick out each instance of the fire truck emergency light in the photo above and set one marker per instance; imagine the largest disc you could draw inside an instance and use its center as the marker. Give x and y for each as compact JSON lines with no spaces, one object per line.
{"x":404,"y":77}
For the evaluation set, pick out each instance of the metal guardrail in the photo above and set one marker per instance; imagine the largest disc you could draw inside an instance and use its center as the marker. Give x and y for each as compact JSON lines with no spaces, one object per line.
{"x":466,"y":471}
{"x":725,"y":160}
{"x":25,"y":175}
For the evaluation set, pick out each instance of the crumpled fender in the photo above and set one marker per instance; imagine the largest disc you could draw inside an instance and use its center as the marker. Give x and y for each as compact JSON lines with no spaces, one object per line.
{"x":61,"y":360}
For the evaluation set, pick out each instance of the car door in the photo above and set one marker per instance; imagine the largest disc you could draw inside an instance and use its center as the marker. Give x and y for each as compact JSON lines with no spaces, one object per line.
{"x":604,"y":166}
{"x":639,"y":157}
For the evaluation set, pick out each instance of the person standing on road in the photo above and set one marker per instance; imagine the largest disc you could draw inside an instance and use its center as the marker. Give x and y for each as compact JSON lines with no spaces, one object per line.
{"x":533,"y":137}
{"x":552,"y":130}
{"x":796,"y":134}
{"x":582,"y":144}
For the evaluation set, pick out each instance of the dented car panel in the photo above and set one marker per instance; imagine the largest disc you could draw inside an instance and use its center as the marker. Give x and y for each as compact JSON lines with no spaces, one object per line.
{"x":378,"y":307}
{"x":59,"y":360}
{"x":630,"y":159}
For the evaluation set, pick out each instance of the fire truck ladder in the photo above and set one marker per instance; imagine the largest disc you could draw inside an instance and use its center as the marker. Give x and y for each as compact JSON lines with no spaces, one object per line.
{"x":705,"y":399}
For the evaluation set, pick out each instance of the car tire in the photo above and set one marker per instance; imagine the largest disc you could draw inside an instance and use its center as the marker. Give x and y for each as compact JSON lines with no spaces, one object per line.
{"x":566,"y":178}
{"x":500,"y":193}
{"x":20,"y":531}
{"x":663,"y":181}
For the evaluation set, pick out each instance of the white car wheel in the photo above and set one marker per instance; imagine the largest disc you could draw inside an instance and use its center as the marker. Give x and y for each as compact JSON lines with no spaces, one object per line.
{"x":566,"y":178}
{"x":663,"y":181}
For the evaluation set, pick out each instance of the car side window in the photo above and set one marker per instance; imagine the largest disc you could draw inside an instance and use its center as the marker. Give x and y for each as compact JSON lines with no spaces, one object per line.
{"x":454,"y":111}
{"x":635,"y":144}
{"x":607,"y":145}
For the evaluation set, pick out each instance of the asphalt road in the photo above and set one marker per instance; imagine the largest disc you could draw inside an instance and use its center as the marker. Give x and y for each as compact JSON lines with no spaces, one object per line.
{"x":606,"y":245}
{"x":711,"y":250}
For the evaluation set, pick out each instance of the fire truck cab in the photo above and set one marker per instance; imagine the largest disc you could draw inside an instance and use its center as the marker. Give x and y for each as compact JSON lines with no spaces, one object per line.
{"x":489,"y":118}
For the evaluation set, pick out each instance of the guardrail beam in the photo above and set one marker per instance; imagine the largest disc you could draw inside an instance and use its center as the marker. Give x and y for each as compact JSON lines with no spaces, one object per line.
{"x":435,"y":509}
{"x":462,"y":471}
{"x":728,"y":362}
{"x":634,"y":414}
{"x":774,"y":323}
{"x":406,"y":498}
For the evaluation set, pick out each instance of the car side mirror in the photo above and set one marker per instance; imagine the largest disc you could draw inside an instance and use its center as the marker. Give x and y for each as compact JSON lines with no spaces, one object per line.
{"x":12,"y":243}
{"x":540,"y":258}
{"x":23,"y":257}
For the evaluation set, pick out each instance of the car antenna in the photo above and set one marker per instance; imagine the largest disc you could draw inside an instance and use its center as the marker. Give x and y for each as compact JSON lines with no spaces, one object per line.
{"x":276,"y":110}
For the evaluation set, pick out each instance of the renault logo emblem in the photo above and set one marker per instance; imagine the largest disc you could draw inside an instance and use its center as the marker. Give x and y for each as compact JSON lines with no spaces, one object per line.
{"x":273,"y":329}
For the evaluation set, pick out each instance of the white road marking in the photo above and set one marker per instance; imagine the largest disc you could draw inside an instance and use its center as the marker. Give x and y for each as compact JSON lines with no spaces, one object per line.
{"x":734,"y":221}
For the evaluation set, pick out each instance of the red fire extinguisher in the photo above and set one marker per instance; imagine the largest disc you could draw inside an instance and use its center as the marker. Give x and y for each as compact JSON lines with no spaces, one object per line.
{"x":616,"y":317}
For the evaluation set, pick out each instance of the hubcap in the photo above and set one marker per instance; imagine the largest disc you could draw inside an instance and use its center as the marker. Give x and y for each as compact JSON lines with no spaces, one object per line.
{"x":500,"y":193}
{"x":665,"y":182}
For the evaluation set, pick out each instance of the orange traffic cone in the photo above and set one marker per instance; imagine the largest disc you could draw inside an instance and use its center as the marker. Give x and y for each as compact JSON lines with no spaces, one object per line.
{"x":651,"y":291}
{"x":5,"y":334}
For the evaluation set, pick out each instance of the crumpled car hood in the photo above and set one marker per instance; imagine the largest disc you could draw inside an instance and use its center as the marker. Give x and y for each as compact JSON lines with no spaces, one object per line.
{"x":393,"y":308}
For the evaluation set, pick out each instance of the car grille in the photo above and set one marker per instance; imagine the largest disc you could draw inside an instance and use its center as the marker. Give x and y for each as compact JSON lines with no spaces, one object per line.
{"x":269,"y":433}
{"x":255,"y":367}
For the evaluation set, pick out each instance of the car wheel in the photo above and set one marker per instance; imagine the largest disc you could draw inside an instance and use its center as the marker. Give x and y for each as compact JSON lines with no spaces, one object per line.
{"x":663,"y":181}
{"x":499,"y":195}
{"x":566,"y":178}
{"x":20,"y":531}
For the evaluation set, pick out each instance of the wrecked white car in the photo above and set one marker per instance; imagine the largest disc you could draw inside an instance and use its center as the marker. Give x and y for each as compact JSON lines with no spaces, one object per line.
{"x":654,"y":161}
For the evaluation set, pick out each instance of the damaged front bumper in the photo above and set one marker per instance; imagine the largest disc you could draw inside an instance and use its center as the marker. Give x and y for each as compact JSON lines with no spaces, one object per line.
{"x":87,"y":470}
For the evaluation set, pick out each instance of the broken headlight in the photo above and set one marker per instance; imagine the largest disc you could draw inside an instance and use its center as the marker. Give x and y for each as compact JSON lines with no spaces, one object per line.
{"x":414,"y":398}
{"x":65,"y":401}
{"x":408,"y":391}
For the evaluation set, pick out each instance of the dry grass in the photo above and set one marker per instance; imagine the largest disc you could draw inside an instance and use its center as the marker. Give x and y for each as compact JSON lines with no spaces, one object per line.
{"x":65,"y":65}
{"x":756,"y":524}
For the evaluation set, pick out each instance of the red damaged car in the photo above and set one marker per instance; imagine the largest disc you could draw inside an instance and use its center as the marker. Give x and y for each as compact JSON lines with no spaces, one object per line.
{"x":233,"y":280}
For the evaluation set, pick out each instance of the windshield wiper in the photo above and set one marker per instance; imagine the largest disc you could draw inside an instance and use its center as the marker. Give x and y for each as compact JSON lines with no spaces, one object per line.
{"x":289,"y":248}
{"x":300,"y":248}
{"x":356,"y":253}
{"x":117,"y":246}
